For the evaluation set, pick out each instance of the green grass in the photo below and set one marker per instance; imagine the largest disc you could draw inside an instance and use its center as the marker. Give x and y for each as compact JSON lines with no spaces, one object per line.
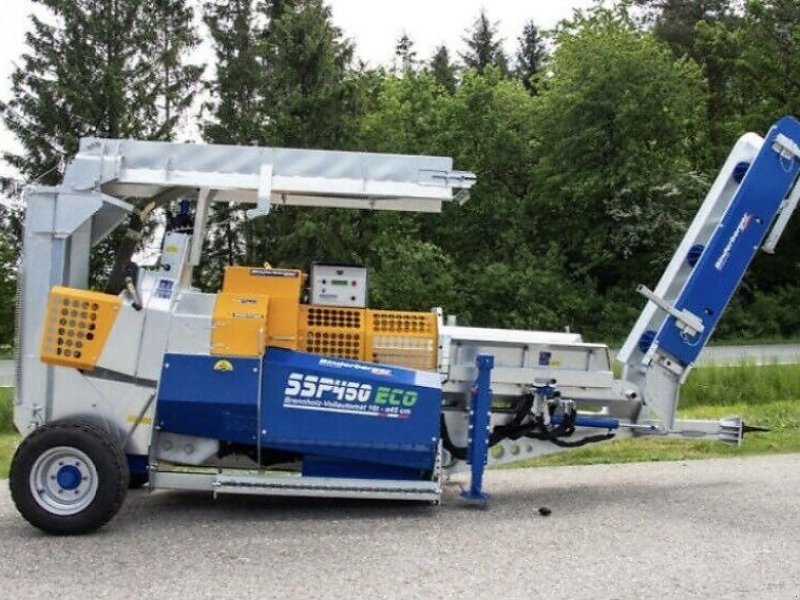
{"x":8,"y":443}
{"x":8,"y":436}
{"x":6,"y":410}
{"x":767,"y":396}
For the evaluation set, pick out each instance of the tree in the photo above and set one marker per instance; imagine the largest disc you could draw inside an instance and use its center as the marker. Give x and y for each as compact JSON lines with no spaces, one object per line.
{"x":168,"y":38}
{"x":308,"y":83}
{"x":484,"y":48}
{"x":10,"y":224}
{"x":675,"y":21}
{"x":286,"y":78}
{"x":234,"y":106}
{"x":99,"y":68}
{"x":617,"y":130}
{"x":531,"y":56}
{"x":237,"y":114}
{"x":404,"y":55}
{"x":701,"y":30}
{"x":769,"y":67}
{"x":443,"y":70}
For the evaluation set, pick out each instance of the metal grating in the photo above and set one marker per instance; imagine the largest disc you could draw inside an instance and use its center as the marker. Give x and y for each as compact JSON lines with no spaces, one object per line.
{"x":414,"y":353}
{"x":77,"y":324}
{"x":333,"y":317}
{"x":340,"y":345}
{"x":402,"y":322}
{"x":406,"y":339}
{"x":332,"y":331}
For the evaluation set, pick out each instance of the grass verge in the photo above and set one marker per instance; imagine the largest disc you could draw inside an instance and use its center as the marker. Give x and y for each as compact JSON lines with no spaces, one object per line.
{"x":8,"y":444}
{"x":8,"y":436}
{"x":6,"y":410}
{"x":766,"y":396}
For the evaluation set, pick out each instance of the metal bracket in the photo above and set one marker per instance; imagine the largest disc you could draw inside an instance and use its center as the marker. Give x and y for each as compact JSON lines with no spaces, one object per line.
{"x":785,"y":213}
{"x":451,"y":179}
{"x":263,"y":194}
{"x":786,"y":147}
{"x":687,"y":321}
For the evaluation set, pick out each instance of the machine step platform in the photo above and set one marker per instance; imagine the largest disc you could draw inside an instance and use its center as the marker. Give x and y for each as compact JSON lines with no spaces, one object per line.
{"x":290,"y":485}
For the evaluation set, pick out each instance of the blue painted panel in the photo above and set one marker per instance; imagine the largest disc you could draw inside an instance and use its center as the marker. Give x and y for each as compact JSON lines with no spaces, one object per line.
{"x":734,"y":244}
{"x":195,"y":398}
{"x":347,"y":409}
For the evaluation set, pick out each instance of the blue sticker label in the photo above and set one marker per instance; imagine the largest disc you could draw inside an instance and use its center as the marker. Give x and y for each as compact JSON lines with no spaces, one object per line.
{"x":164,"y":289}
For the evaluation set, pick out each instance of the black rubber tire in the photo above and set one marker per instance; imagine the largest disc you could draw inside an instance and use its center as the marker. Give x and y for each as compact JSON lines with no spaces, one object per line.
{"x":109,"y":461}
{"x":138,"y":480}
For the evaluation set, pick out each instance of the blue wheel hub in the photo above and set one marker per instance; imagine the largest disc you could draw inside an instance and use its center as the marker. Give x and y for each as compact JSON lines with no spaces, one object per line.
{"x":69,"y":477}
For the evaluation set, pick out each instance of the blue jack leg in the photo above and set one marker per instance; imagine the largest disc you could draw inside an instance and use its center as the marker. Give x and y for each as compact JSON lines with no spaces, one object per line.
{"x":478,"y":446}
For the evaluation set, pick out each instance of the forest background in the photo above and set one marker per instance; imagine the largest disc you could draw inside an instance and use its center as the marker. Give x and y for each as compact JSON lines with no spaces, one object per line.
{"x":594,"y":144}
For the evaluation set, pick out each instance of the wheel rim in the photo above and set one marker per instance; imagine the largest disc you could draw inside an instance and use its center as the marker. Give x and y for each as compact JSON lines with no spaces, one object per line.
{"x":63,"y":480}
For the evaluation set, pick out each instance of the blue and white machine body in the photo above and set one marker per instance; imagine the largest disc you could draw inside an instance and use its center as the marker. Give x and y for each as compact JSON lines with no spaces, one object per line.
{"x":343,"y":416}
{"x":756,"y":188}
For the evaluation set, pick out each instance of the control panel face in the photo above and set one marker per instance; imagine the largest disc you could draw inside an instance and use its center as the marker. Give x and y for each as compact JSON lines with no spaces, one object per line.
{"x":339,"y":285}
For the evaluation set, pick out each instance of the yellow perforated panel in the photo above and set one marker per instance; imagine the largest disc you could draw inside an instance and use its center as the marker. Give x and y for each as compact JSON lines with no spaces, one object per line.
{"x":332,"y":331}
{"x":76,"y":326}
{"x":407,"y":339}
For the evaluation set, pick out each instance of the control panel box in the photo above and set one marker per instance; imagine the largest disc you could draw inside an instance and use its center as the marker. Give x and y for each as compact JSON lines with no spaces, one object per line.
{"x":339,"y":285}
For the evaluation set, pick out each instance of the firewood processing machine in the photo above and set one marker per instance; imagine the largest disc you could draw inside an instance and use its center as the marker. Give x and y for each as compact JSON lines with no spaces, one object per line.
{"x":288,"y":384}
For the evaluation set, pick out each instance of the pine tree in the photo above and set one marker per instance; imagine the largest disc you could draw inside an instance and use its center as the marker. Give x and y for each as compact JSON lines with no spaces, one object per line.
{"x":99,"y":68}
{"x":313,"y":100}
{"x":484,"y":48}
{"x":103,"y":68}
{"x":531,"y":55}
{"x":169,"y":32}
{"x":236,"y":113}
{"x":308,"y":87}
{"x":235,"y":105}
{"x":443,"y":71}
{"x":405,"y":55}
{"x":284,"y":78}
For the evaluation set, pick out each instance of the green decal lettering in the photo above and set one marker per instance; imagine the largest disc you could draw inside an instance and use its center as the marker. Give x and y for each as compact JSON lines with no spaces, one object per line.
{"x":394,"y":399}
{"x":409,"y":399}
{"x":382,"y":395}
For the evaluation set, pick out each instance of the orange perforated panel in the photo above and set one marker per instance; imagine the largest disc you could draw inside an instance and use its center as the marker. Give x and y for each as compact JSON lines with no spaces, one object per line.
{"x":76,"y":326}
{"x":332,"y":331}
{"x":406,"y":339}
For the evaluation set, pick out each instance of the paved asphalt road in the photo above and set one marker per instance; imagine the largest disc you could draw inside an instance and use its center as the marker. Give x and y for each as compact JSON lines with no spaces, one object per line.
{"x":711,"y":529}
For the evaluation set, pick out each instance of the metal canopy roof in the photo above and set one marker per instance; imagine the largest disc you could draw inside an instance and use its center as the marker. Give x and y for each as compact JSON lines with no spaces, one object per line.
{"x":265,"y":176}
